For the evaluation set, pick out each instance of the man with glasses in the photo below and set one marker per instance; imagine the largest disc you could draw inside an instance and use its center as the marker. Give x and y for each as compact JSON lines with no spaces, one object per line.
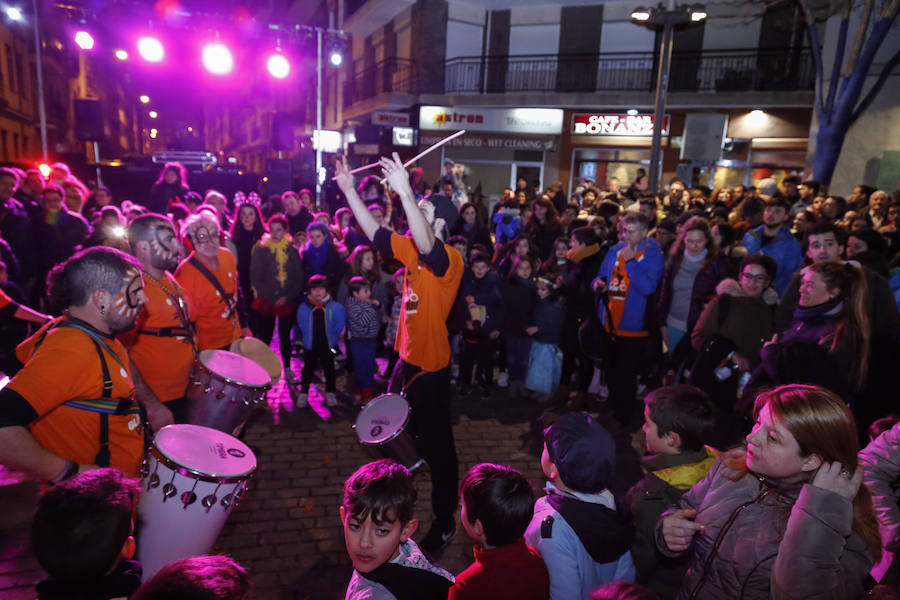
{"x":774,"y":238}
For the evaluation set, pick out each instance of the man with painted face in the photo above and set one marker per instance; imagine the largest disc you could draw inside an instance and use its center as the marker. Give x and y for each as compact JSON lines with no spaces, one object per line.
{"x":71,"y":407}
{"x":433,"y":273}
{"x":161,"y":345}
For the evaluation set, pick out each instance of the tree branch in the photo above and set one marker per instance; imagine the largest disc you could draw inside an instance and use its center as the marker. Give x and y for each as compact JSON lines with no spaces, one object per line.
{"x":876,"y":87}
{"x":816,"y":49}
{"x":860,"y":35}
{"x":838,"y":59}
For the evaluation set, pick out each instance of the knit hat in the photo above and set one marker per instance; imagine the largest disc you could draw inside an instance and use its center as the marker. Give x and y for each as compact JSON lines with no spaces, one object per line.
{"x":583,"y":452}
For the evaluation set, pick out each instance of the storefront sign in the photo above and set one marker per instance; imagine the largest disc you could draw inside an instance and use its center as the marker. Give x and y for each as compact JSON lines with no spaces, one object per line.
{"x":615,"y":124}
{"x":403,"y":136}
{"x":507,"y":120}
{"x":501,"y":142}
{"x":383,"y":117}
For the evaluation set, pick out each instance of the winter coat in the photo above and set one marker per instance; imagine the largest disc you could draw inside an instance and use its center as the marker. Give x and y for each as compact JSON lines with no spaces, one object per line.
{"x":777,"y":540}
{"x":548,"y":318}
{"x":785,"y":249}
{"x":584,"y":554}
{"x":711,"y":273}
{"x":544,"y":236}
{"x":335,"y":320}
{"x":747,"y":322}
{"x":486,"y":292}
{"x":163,"y":194}
{"x":333,"y":269}
{"x":880,"y":461}
{"x":518,"y":298}
{"x":644,"y":274}
{"x":668,"y":477}
{"x":264,"y":274}
{"x":474,"y":234}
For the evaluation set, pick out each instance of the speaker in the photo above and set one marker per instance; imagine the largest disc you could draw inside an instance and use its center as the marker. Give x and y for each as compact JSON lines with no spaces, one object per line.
{"x":88,"y":120}
{"x":703,"y":136}
{"x":279,"y":174}
{"x":283,"y":131}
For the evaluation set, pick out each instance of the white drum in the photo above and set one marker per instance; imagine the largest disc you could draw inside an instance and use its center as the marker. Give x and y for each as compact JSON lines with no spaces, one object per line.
{"x":225,"y":389}
{"x":191,"y":480}
{"x":381,"y":427}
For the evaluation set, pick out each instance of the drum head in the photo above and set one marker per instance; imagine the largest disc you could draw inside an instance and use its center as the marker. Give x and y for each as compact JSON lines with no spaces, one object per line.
{"x":236,"y":368}
{"x":382,"y":419}
{"x":205,"y":451}
{"x":259,"y":352}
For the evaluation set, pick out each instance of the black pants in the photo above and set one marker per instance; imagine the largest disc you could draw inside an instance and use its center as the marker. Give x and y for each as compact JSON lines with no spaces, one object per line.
{"x":622,"y":380}
{"x":266,"y":326}
{"x":429,"y":397}
{"x":478,"y":356}
{"x":312,"y":358}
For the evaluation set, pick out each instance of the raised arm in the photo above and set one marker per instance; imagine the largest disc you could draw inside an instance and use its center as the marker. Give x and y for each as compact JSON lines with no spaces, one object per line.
{"x":363,"y":216}
{"x":422,"y":233}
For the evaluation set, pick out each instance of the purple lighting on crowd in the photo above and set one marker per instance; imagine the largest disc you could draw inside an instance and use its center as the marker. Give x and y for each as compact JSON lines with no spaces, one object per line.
{"x":84,"y":40}
{"x":150,"y":49}
{"x":217,"y":58}
{"x":278,"y":66}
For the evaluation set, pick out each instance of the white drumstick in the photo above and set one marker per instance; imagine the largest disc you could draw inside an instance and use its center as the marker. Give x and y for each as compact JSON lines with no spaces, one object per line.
{"x":429,"y":149}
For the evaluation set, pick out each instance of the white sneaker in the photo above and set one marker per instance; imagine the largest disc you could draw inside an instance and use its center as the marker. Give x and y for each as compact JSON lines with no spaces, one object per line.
{"x":331,"y":399}
{"x":302,"y":400}
{"x":503,"y":379}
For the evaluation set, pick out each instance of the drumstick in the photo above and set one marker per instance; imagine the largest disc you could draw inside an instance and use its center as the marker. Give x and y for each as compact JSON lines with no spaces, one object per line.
{"x":429,"y":149}
{"x":358,"y":169}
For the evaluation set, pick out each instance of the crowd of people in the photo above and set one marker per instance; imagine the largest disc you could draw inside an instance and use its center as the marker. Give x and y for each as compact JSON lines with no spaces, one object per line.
{"x":751,"y":331}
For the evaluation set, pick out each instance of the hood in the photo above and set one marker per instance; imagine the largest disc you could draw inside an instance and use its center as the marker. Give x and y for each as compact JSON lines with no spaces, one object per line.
{"x":603,"y":532}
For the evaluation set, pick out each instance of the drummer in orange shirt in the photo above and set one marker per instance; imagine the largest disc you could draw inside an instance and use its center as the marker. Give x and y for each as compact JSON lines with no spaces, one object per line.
{"x":209,"y":278}
{"x":72,"y":407}
{"x":161,"y":346}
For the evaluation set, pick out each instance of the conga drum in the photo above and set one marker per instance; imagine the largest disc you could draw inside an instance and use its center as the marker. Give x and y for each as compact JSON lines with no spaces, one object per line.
{"x":381,"y":427}
{"x":225,"y":389}
{"x":192,"y":479}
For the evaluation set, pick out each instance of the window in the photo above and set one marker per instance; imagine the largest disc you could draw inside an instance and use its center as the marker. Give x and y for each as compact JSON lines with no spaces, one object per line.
{"x":9,"y":68}
{"x":20,"y":75}
{"x":16,"y":150}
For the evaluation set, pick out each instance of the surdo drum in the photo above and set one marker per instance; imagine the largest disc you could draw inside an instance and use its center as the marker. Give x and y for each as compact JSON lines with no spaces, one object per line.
{"x":191,"y":480}
{"x":225,"y":389}
{"x":381,"y":427}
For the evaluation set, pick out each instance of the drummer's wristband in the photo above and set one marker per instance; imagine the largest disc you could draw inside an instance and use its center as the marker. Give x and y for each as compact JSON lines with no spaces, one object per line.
{"x":68,"y":471}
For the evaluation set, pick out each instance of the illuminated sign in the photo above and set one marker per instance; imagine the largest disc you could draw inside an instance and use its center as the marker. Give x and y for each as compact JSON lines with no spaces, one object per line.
{"x":615,"y":124}
{"x":383,"y":117}
{"x":506,"y":120}
{"x":403,"y":136}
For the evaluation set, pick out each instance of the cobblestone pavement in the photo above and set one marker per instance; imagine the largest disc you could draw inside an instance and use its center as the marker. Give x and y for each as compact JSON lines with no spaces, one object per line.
{"x":287,"y":530}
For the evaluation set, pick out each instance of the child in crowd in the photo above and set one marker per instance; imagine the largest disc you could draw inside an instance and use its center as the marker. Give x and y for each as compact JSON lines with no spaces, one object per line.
{"x":583,"y":540}
{"x":518,"y":299}
{"x":320,"y":321}
{"x":82,"y":536}
{"x":390,"y":332}
{"x":497,"y":505}
{"x":377,"y":513}
{"x":545,"y":358}
{"x":678,"y":420}
{"x":481,"y":293}
{"x":363,"y":323}
{"x":216,"y":577}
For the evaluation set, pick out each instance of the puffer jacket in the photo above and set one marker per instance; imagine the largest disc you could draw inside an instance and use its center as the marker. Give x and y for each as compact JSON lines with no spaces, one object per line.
{"x":780,"y":540}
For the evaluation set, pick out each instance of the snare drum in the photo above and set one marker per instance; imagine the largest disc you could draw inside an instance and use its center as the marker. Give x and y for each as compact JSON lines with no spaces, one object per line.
{"x":225,"y":389}
{"x":191,"y":480}
{"x":381,"y":428}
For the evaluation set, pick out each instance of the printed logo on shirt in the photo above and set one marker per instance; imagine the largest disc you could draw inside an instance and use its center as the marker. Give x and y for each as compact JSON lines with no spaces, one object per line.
{"x":411,"y":302}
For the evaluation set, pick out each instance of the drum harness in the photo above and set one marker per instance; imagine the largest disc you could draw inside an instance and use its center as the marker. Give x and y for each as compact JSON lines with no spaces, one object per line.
{"x":228,"y":299}
{"x":187,"y":329}
{"x":105,"y":405}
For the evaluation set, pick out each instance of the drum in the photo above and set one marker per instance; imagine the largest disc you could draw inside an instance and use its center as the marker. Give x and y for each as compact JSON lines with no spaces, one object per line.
{"x":259,"y":352}
{"x":225,"y":389}
{"x":381,"y":428}
{"x":191,"y":480}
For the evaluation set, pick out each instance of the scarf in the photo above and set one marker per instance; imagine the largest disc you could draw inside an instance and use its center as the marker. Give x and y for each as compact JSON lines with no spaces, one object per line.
{"x":576,"y":256}
{"x":317,"y":257}
{"x":279,"y":249}
{"x":51,"y":217}
{"x":826,"y":309}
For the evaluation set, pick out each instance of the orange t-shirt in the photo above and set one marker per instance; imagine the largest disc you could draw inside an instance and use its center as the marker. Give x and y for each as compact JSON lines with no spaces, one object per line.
{"x":164,"y":362}
{"x":217,"y":324}
{"x":427,"y":299}
{"x":66,"y":367}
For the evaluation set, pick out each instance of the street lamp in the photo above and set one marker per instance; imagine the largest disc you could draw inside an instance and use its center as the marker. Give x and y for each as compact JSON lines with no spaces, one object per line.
{"x":666,"y":18}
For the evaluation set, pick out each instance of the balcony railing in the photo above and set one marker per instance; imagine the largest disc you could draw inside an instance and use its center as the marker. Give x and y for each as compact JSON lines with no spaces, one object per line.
{"x":706,"y":71}
{"x":391,"y":75}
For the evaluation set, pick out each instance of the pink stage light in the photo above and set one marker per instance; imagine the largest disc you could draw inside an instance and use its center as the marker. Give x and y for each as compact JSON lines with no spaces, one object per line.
{"x":84,"y":40}
{"x":278,"y":66}
{"x":150,"y":49}
{"x":217,"y":58}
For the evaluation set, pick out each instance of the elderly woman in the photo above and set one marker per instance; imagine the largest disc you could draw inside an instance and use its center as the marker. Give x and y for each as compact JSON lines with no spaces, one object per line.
{"x":210,"y":281}
{"x":786,"y":518}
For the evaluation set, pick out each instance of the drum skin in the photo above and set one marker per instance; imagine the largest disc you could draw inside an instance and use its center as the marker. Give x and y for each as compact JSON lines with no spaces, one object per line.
{"x":381,"y":427}
{"x":225,"y":389}
{"x":192,"y":479}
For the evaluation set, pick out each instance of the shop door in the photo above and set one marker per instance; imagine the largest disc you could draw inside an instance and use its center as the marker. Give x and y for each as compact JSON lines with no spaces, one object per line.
{"x":532,"y":174}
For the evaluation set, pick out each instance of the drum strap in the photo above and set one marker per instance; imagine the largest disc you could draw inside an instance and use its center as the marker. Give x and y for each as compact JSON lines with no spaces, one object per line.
{"x":187,"y":328}
{"x":166,"y":331}
{"x":226,"y":298}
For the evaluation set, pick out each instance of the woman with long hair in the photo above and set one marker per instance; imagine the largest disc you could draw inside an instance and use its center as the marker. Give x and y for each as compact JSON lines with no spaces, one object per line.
{"x":785,"y":518}
{"x":470,"y":226}
{"x":170,"y":188}
{"x":247,"y":228}
{"x":544,"y":226}
{"x":364,"y":262}
{"x":520,"y":246}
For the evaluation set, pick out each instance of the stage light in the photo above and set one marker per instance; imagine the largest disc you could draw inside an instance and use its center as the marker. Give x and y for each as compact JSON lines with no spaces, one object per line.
{"x":153,"y":133}
{"x":121,"y":54}
{"x":217,"y":58}
{"x":44,"y":168}
{"x":278,"y":66}
{"x":145,"y":99}
{"x":84,"y":40}
{"x":13,"y":13}
{"x":153,"y":114}
{"x":336,"y":58}
{"x":150,"y":49}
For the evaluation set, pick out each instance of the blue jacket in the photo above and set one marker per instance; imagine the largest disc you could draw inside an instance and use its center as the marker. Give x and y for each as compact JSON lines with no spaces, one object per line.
{"x":548,"y":318}
{"x":785,"y":249}
{"x":335,"y":320}
{"x":644,"y":274}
